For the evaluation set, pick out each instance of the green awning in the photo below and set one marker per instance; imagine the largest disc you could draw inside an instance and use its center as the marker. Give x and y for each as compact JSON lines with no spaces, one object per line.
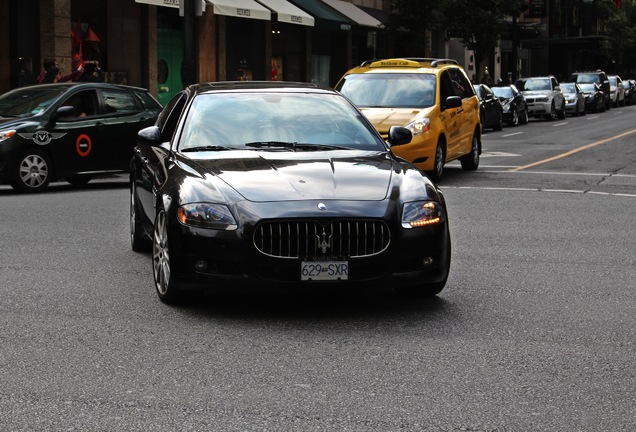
{"x":326,"y":17}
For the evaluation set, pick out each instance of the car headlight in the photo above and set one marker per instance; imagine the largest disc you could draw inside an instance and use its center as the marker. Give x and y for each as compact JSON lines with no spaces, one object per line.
{"x":422,"y":213}
{"x":207,"y":215}
{"x":6,"y":134}
{"x":542,"y":99}
{"x":419,"y":126}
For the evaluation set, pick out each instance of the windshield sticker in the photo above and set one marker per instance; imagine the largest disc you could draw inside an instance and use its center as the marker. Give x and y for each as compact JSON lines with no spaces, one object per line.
{"x":42,"y":137}
{"x":83,"y":145}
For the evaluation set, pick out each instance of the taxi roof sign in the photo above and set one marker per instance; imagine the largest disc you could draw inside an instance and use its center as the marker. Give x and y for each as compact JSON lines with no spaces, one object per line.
{"x":395,"y":63}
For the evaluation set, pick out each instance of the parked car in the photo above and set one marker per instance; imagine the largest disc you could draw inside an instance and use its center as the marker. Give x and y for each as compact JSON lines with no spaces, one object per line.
{"x":630,"y":91}
{"x":594,"y":98}
{"x":70,"y":131}
{"x":515,"y":109}
{"x":574,"y":99}
{"x":308,"y":196}
{"x":432,"y":97}
{"x":543,"y":96}
{"x":617,"y":91}
{"x":490,"y":108}
{"x":597,"y":77}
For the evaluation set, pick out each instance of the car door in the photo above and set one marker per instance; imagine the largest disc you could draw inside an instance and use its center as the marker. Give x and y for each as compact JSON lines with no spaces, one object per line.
{"x":466,"y":117}
{"x":77,"y":123}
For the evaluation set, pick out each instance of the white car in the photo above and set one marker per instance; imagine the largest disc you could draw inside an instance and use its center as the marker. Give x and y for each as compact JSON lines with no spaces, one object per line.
{"x":617,"y":91}
{"x":543,"y":97}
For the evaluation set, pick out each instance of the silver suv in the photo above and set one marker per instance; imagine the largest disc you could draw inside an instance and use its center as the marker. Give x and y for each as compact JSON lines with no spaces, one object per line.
{"x":543,"y":96}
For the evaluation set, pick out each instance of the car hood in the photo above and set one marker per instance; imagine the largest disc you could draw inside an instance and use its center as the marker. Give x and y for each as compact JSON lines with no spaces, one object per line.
{"x":277,"y":176}
{"x":383,"y":118}
{"x":537,"y":93}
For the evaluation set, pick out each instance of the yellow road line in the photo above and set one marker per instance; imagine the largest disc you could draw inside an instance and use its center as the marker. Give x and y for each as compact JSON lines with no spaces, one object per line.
{"x":576,"y":150}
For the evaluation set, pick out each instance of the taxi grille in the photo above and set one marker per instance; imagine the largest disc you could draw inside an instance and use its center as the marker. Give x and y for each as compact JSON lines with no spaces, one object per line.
{"x":313,"y":239}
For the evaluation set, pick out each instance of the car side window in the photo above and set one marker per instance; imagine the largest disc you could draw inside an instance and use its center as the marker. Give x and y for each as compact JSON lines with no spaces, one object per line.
{"x":119,"y":101}
{"x":555,"y":84}
{"x":84,"y":104}
{"x":169,"y":118}
{"x":445,"y":86}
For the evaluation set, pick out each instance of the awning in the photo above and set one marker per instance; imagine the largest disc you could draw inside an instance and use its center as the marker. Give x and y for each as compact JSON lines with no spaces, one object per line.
{"x":169,"y":3}
{"x":288,"y":13}
{"x":354,"y":13}
{"x":326,"y":17}
{"x":240,"y":9}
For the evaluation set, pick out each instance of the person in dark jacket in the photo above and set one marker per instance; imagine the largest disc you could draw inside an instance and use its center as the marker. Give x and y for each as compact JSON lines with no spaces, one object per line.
{"x":92,"y":73}
{"x":53,"y":75}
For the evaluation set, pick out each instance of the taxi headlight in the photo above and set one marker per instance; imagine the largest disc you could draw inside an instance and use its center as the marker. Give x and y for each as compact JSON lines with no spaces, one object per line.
{"x":6,"y":134}
{"x":419,"y":126}
{"x":422,"y":213}
{"x":207,"y":215}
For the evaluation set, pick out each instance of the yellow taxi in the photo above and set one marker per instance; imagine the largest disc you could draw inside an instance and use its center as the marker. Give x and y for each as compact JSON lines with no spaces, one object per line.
{"x":432,"y":97}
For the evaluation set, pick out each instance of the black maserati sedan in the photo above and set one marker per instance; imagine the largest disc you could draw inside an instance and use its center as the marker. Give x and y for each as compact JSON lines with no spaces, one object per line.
{"x":70,"y":131}
{"x":275,"y":185}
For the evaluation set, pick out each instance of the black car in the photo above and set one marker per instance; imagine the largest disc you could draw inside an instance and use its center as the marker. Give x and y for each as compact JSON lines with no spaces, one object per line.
{"x":281,"y":185}
{"x":70,"y":131}
{"x":515,"y":109}
{"x":490,"y":108}
{"x":597,"y":77}
{"x":594,"y":98}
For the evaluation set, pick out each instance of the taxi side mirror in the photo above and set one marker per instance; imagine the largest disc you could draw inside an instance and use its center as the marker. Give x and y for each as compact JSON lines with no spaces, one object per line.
{"x":453,"y":102}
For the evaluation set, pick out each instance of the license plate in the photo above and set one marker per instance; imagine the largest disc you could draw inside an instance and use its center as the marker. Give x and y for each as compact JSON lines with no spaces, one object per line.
{"x":324,"y":270}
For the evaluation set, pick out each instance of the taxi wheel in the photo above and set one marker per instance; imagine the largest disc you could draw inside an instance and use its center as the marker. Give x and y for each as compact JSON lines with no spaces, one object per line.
{"x":470,"y":162}
{"x":161,"y":266}
{"x":438,"y":164}
{"x":32,"y":172}
{"x":138,"y":241}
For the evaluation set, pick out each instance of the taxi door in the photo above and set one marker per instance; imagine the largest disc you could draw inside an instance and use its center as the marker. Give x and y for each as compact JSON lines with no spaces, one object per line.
{"x":450,"y":117}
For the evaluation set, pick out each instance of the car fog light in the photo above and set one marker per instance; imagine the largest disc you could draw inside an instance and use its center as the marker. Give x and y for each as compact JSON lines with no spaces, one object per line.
{"x":427,"y":261}
{"x":201,"y":265}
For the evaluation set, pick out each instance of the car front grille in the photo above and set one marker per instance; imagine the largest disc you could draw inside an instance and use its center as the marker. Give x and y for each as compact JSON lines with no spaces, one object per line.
{"x":317,"y":240}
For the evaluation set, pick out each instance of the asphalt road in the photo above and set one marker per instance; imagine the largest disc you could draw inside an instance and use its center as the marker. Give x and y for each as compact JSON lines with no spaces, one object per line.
{"x":535,"y":331}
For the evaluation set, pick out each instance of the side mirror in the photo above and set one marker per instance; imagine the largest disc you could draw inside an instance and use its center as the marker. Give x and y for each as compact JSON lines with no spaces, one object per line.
{"x":150,"y":135}
{"x":399,"y":135}
{"x":453,"y":102}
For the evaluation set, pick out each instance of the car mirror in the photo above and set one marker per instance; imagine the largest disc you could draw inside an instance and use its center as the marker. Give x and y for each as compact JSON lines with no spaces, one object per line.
{"x":150,"y":135}
{"x":399,"y":135}
{"x":453,"y":102}
{"x":66,"y":111}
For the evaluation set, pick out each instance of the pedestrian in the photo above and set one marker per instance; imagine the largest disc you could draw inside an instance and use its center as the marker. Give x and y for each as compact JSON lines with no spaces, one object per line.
{"x":49,"y":63}
{"x":53,"y":75}
{"x":92,"y":73}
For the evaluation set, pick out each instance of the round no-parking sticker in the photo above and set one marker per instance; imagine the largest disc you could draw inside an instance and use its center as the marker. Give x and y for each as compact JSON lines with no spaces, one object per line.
{"x":83,"y":145}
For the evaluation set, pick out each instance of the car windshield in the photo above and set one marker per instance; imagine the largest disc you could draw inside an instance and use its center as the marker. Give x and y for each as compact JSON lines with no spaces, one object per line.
{"x":568,"y":88}
{"x":536,"y":84}
{"x":389,"y":90}
{"x":588,"y":78}
{"x":276,"y":121}
{"x":587,"y":87}
{"x":613,"y":81}
{"x":28,"y":101}
{"x":502,"y":92}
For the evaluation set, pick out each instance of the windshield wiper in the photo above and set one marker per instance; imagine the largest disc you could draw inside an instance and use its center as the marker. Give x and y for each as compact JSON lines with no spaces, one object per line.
{"x":206,"y":148}
{"x":293,"y":145}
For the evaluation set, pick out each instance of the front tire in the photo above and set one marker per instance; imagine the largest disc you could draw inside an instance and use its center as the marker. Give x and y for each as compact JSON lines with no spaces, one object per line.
{"x":438,"y":164}
{"x":552,"y":115}
{"x":33,"y":172}
{"x":161,"y":266}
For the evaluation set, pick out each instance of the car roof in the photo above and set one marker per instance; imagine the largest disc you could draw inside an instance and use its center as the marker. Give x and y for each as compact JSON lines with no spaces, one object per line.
{"x":79,"y":84}
{"x":252,"y":86}
{"x":405,"y":65}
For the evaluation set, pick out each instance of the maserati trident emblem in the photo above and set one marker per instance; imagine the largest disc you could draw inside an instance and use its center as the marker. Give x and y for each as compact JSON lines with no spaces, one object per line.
{"x":324,"y":241}
{"x":322,"y":207}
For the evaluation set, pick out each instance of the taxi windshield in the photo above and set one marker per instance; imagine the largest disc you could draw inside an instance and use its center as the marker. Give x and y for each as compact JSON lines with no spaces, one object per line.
{"x":28,"y":101}
{"x":390,"y":90}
